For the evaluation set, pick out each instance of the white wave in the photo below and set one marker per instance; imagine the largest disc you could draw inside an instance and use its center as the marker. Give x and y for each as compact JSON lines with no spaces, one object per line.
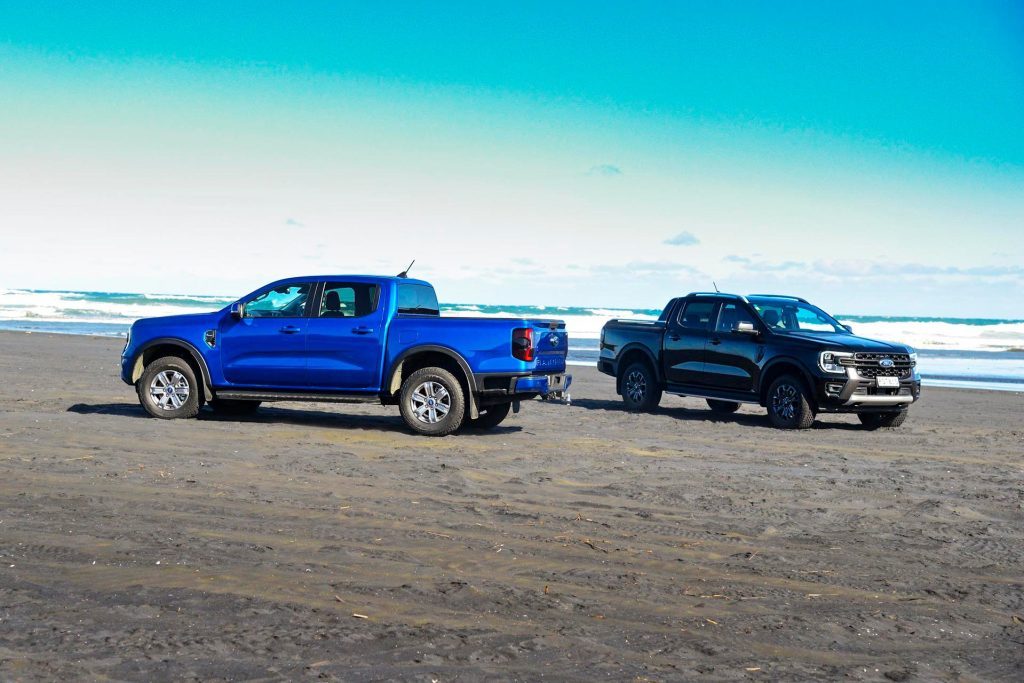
{"x":943,"y":335}
{"x":77,"y":307}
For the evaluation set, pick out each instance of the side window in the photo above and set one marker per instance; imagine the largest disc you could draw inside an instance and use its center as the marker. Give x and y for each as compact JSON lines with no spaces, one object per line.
{"x":348,"y":300}
{"x":730,"y":316}
{"x":417,"y":299}
{"x":286,"y":301}
{"x":697,"y":315}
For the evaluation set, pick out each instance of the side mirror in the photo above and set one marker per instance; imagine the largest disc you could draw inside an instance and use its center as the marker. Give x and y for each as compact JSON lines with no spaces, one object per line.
{"x":849,"y":328}
{"x":237,"y":309}
{"x":745,"y":328}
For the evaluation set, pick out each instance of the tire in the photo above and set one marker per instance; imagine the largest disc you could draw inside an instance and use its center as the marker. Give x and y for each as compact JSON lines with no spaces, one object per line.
{"x":640,"y":389}
{"x":423,"y":395}
{"x":227,"y":406}
{"x":883,"y":420}
{"x":788,"y":407}
{"x":490,"y":416}
{"x":723,"y":406}
{"x":168,"y":389}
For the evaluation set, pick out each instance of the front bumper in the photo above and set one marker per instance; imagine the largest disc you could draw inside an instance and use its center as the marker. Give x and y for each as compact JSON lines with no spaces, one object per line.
{"x":854,"y":393}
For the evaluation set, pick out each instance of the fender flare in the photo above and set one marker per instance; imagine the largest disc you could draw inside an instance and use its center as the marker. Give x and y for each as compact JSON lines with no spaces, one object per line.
{"x":137,"y":367}
{"x":787,"y":360}
{"x":393,"y":383}
{"x":627,"y":349}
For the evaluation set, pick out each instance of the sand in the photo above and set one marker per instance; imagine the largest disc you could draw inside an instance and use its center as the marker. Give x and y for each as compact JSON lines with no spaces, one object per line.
{"x":326,"y":542}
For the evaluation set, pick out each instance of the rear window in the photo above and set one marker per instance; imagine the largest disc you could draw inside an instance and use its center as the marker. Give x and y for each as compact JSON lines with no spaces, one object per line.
{"x":417,"y":300}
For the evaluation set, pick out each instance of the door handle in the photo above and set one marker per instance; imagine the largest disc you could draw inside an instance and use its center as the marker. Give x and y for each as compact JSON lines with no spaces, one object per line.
{"x":289,"y":329}
{"x":715,"y":342}
{"x":362,"y":330}
{"x":674,"y":337}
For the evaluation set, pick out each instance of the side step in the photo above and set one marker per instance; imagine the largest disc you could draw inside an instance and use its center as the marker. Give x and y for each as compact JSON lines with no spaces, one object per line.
{"x":295,"y":396}
{"x":701,"y":392}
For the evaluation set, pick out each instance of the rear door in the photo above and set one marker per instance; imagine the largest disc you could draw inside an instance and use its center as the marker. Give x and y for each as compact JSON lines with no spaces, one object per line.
{"x":685,"y":338}
{"x":345,"y":342}
{"x":266,"y":347}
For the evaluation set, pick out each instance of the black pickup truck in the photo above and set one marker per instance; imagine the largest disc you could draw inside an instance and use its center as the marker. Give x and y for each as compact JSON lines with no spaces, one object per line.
{"x":779,"y":352}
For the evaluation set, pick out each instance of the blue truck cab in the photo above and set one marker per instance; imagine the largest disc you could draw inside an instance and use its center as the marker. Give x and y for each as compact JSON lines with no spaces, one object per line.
{"x":346,"y":338}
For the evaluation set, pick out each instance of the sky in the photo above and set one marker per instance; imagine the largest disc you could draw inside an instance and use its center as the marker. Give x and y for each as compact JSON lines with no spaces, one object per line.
{"x":868,"y":156}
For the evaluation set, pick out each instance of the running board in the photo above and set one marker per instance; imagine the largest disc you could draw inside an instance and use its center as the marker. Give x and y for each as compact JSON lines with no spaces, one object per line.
{"x":675,"y":391}
{"x":294,"y":396}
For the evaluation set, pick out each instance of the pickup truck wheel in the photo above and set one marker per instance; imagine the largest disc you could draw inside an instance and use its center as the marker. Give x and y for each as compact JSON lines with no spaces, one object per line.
{"x":883,"y":420}
{"x":723,"y":406}
{"x":640,"y":390}
{"x":490,"y":416}
{"x":788,"y":407}
{"x":432,"y":402}
{"x":168,"y":389}
{"x":225,"y":406}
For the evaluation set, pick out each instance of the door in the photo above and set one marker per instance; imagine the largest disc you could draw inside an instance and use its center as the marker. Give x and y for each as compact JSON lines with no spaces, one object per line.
{"x":685,"y":339}
{"x":266,"y":347}
{"x":345,"y":343}
{"x":731,"y":359}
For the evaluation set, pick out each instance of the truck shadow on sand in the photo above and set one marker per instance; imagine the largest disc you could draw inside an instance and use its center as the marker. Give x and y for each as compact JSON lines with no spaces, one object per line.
{"x":704,"y":415}
{"x":289,"y":416}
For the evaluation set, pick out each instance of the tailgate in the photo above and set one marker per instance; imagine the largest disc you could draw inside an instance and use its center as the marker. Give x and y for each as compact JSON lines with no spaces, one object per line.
{"x":551,"y":343}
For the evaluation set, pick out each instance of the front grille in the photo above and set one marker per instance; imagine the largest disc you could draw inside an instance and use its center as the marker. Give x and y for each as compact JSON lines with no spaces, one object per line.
{"x":868,"y":365}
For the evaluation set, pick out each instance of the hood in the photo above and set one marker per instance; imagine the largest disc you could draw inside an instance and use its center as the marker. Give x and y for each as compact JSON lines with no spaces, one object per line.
{"x":847,"y":342}
{"x":182,"y":319}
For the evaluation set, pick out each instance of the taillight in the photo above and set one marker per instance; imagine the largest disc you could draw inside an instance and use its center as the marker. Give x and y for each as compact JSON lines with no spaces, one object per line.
{"x":522,"y":343}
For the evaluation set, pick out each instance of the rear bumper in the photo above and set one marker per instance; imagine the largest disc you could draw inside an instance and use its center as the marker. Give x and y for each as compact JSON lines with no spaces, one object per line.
{"x":502,"y":386}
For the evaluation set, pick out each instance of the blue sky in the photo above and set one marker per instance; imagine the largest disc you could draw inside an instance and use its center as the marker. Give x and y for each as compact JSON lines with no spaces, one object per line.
{"x":868,"y":155}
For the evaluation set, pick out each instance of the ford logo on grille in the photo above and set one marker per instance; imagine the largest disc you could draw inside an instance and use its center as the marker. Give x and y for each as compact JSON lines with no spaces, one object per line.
{"x":553,"y":339}
{"x":886,"y":363}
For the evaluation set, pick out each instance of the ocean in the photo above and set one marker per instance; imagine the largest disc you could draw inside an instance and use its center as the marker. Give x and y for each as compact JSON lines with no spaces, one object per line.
{"x":953,"y":352}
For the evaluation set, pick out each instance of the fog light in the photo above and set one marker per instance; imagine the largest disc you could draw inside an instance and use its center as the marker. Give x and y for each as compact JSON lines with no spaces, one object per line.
{"x":834,"y":388}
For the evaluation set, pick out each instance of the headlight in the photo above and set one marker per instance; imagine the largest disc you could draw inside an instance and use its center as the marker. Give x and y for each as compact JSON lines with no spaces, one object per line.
{"x":831,"y":361}
{"x":913,"y":359}
{"x":128,"y":339}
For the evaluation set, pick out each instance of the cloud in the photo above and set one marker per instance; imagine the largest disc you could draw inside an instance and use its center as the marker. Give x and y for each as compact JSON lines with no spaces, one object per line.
{"x":294,"y":223}
{"x":605,"y":170}
{"x":683,"y":239}
{"x":853,"y":269}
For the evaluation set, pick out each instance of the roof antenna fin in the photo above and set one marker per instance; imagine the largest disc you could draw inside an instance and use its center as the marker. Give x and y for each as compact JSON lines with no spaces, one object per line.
{"x":405,"y":273}
{"x":716,"y":287}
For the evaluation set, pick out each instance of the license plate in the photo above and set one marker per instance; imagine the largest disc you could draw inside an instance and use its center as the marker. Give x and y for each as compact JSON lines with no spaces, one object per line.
{"x":889,"y":382}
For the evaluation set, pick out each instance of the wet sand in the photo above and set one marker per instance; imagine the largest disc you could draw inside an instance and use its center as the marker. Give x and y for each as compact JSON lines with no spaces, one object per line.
{"x":576,"y":543}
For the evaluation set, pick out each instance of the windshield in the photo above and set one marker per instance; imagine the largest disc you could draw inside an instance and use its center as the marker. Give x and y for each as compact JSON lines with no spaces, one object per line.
{"x":790,"y":315}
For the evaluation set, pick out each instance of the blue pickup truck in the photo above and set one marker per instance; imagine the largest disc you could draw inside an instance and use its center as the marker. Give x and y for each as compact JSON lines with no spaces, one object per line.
{"x":345,"y":338}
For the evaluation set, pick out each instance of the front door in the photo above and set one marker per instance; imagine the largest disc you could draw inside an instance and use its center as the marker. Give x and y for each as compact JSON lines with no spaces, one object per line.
{"x":685,"y":338}
{"x":266,"y":347}
{"x":731,"y":361}
{"x":345,"y":343}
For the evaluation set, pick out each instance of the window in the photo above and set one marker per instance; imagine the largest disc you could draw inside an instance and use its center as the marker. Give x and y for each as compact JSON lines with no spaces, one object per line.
{"x":730,"y":316}
{"x":697,"y":315}
{"x":417,"y":299}
{"x":348,"y":300}
{"x":286,"y":301}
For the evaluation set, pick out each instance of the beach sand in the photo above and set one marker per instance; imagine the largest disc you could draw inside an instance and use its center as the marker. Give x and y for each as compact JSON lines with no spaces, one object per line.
{"x":326,"y":542}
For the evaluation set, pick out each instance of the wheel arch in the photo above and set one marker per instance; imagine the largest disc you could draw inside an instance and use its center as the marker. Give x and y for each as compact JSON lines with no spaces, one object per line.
{"x":431,"y":355}
{"x":784,"y":366}
{"x":172,"y":346}
{"x":630,"y":354}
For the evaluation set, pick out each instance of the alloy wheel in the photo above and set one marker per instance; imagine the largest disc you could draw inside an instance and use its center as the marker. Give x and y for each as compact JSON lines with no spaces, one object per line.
{"x":431,"y":402}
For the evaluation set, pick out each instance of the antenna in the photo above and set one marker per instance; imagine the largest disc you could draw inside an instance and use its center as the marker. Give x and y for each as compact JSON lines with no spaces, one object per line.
{"x":716,"y":287}
{"x":405,"y":273}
